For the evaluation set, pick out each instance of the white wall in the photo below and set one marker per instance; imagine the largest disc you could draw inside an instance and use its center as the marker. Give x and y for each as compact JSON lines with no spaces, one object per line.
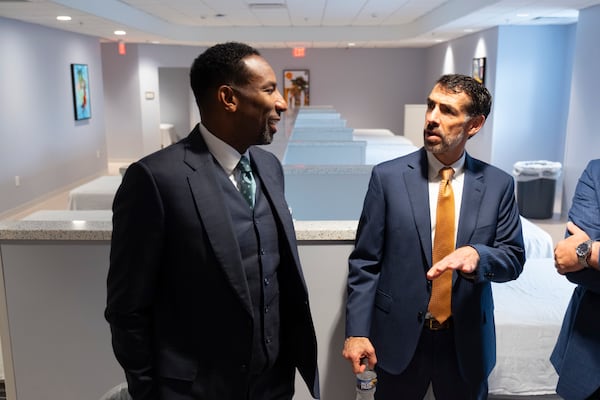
{"x":456,"y":56}
{"x":582,"y":142}
{"x":40,"y":141}
{"x":528,"y":73}
{"x":532,"y":101}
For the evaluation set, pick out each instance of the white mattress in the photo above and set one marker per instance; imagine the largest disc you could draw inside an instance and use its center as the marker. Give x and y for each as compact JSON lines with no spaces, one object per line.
{"x":528,"y":314}
{"x":538,"y":242}
{"x":97,"y":194}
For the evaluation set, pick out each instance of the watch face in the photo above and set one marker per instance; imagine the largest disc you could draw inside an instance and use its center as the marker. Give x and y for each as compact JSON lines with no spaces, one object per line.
{"x":583,"y":249}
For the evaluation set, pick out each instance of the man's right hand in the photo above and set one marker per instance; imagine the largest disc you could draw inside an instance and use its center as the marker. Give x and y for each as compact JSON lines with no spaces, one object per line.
{"x":355,"y":349}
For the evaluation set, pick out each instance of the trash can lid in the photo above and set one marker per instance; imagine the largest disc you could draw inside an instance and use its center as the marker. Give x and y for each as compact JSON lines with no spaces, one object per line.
{"x":537,"y":169}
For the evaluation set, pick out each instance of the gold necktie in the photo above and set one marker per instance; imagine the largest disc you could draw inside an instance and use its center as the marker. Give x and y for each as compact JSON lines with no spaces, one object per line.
{"x":443,"y":244}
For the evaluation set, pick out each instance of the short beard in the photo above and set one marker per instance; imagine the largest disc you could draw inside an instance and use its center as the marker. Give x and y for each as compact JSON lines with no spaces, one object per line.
{"x":266,"y":137}
{"x":444,"y":146}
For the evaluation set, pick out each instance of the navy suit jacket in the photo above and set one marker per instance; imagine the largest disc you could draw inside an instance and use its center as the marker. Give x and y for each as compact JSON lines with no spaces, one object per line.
{"x":178,"y":304}
{"x":576,"y":356}
{"x":388,"y":292}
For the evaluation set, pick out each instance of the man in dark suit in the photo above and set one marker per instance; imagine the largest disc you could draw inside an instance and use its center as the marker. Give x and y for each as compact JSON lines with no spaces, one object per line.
{"x":389,"y":318}
{"x":206,"y":297}
{"x":576,"y":356}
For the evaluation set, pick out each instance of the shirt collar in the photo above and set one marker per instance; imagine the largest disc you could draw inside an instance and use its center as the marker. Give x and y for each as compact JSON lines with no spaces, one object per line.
{"x":435,"y":165}
{"x":226,"y":156}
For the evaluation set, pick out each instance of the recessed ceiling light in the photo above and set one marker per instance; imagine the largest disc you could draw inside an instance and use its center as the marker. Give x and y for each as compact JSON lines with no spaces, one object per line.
{"x":120,"y":33}
{"x":468,"y":30}
{"x":351,"y":44}
{"x":266,"y":5}
{"x":522,"y":15}
{"x":63,"y":18}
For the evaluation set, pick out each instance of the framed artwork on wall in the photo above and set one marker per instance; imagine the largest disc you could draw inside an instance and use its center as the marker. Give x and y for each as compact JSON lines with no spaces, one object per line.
{"x":478,"y":70}
{"x":80,"y":82}
{"x":296,"y":85}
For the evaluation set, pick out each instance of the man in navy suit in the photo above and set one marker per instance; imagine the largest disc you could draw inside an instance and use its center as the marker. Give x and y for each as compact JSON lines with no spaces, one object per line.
{"x":206,"y":297}
{"x":576,"y":356}
{"x":388,"y":318}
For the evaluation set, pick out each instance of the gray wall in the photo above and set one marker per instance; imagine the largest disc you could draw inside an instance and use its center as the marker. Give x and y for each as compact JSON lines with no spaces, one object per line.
{"x":173,"y":84}
{"x":122,"y":103}
{"x":368,"y":87}
{"x":40,"y":141}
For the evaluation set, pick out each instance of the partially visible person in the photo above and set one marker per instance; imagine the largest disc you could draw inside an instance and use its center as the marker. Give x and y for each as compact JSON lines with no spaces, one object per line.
{"x":576,"y":356}
{"x":206,"y":296}
{"x":398,"y":261}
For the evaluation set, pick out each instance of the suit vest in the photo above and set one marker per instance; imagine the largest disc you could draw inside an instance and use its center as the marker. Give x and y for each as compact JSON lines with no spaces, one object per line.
{"x":258,"y":239}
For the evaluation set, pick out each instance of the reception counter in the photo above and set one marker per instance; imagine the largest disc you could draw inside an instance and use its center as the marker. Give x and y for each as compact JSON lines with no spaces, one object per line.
{"x":55,"y":340}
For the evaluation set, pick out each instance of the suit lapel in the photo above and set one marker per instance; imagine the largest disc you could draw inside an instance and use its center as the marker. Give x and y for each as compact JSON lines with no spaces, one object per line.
{"x":473,"y":189}
{"x":272,"y":188}
{"x":209,"y":198}
{"x":415,"y":179}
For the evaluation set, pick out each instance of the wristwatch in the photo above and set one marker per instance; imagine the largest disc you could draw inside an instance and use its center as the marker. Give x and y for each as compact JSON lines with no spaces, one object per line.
{"x":583,"y":252}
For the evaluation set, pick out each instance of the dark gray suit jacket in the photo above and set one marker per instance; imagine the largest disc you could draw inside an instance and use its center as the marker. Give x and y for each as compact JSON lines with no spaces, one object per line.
{"x":178,"y":302}
{"x":388,"y":292}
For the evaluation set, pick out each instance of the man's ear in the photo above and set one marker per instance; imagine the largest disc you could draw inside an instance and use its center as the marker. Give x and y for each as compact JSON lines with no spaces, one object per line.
{"x":227,"y":98}
{"x":474,"y":125}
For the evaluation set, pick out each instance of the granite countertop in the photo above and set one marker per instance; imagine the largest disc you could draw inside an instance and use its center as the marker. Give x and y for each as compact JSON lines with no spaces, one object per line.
{"x":55,"y":230}
{"x":64,"y":230}
{"x":324,"y":169}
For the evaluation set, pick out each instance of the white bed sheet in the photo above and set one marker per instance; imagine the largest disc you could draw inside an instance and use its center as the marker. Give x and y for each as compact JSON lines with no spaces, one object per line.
{"x":97,"y":194}
{"x":528,"y":315}
{"x":538,"y":242}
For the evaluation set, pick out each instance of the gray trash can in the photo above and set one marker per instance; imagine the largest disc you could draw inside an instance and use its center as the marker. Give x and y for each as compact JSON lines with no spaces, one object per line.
{"x":536,"y":187}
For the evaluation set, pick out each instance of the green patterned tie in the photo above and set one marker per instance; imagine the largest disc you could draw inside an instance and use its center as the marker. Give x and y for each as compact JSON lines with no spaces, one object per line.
{"x":247,"y":183}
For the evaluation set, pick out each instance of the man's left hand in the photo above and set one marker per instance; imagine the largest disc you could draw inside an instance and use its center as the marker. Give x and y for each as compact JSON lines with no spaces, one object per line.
{"x":565,"y":258}
{"x":464,"y":259}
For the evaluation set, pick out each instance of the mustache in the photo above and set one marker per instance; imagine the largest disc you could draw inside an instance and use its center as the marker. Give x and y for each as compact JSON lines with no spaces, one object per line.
{"x":431,"y":126}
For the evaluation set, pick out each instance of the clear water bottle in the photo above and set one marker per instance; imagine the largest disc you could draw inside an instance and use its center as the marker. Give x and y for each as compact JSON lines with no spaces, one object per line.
{"x":366,"y":384}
